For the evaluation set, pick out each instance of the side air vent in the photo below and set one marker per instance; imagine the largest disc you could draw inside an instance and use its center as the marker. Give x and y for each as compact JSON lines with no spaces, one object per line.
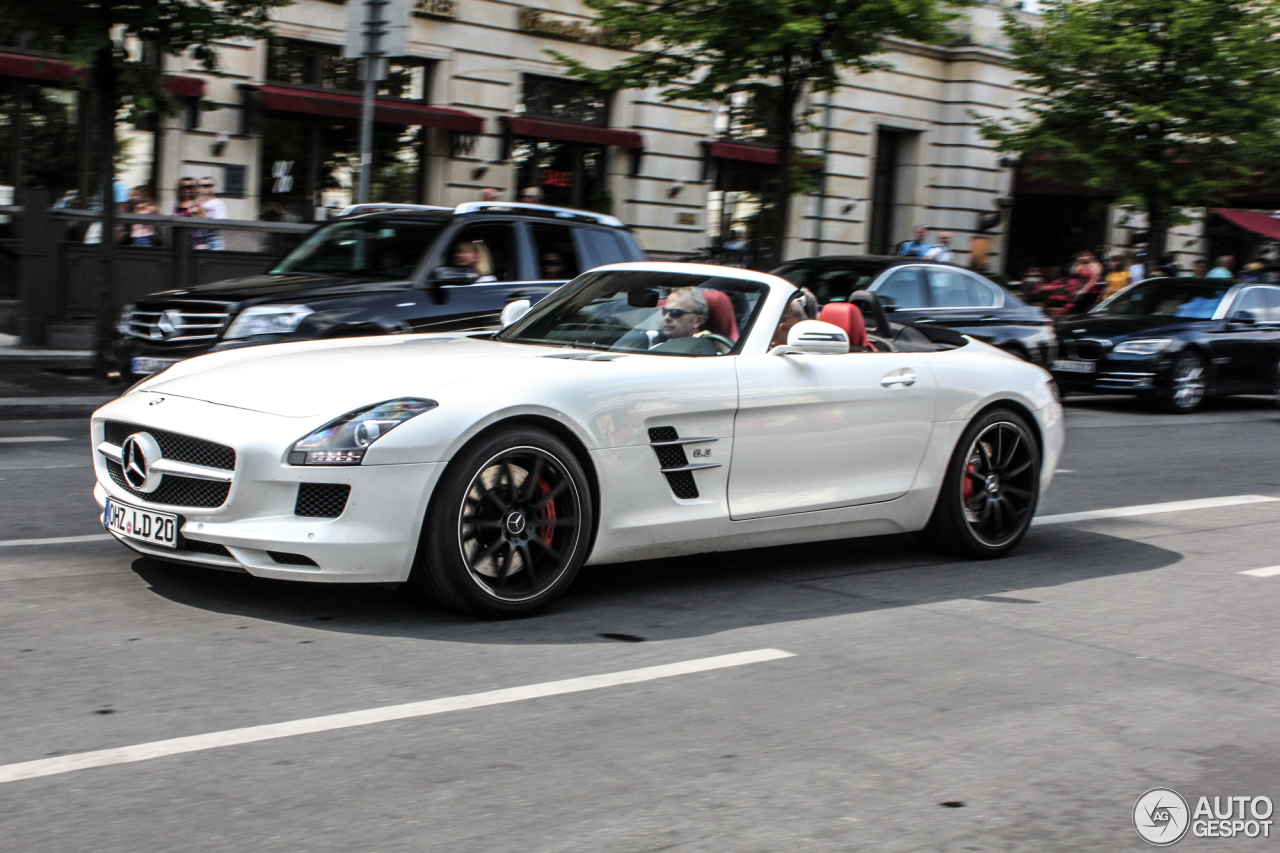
{"x":674,"y":464}
{"x":291,"y":559}
{"x":321,"y":500}
{"x":195,"y":546}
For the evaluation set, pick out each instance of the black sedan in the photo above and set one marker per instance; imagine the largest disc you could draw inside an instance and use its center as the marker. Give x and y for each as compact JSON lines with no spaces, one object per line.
{"x":917,"y":292}
{"x":1177,"y":340}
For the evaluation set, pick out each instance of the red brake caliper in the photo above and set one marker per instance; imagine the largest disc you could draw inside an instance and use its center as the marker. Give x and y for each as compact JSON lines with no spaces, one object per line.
{"x":968,"y":483}
{"x":548,"y":513}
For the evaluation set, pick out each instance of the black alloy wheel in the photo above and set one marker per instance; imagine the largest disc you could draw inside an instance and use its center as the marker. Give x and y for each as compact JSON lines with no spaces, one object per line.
{"x":1188,"y":384}
{"x":508,"y":527}
{"x":991,"y":489}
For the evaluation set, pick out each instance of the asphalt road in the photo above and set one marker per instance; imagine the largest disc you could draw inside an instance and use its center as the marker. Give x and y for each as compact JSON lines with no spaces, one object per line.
{"x":929,"y":705}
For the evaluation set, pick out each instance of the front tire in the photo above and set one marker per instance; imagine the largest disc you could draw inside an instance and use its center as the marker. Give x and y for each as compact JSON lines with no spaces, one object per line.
{"x":991,"y":488}
{"x":508,"y":527}
{"x":1189,"y":384}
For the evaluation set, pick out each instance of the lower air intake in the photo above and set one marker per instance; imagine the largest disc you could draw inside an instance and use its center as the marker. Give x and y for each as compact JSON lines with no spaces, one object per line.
{"x":291,"y":559}
{"x":321,"y":500}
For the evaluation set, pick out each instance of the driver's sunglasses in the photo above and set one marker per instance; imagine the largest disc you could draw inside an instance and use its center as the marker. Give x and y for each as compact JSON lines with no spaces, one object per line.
{"x":676,"y":313}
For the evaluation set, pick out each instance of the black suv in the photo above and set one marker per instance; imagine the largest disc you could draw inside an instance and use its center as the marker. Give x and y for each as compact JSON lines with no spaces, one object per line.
{"x":399,"y":269}
{"x":918,"y":291}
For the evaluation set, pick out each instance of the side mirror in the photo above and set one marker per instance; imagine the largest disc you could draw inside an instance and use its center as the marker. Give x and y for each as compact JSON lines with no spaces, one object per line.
{"x":814,"y":337}
{"x":1244,"y":317}
{"x":514,"y":310}
{"x":888,"y":303}
{"x":453,"y":275}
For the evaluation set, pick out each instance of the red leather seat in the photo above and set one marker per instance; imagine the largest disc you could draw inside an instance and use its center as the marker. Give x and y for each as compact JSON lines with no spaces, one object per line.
{"x":720,"y":317}
{"x":848,"y":317}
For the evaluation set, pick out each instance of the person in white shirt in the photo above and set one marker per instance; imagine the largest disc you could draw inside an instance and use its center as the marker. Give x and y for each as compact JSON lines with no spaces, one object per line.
{"x":1138,"y":271}
{"x":211,"y":207}
{"x":941,"y":252}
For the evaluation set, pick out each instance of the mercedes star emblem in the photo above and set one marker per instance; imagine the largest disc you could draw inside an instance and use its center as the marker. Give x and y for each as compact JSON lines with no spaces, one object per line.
{"x":166,"y":325}
{"x":138,"y":457}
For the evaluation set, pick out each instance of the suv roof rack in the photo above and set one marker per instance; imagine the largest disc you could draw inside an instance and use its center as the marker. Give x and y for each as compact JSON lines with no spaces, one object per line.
{"x":543,"y":210}
{"x":378,"y":206}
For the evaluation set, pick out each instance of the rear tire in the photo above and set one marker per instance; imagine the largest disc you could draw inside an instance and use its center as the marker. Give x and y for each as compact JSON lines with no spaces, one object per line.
{"x":991,"y":488}
{"x":508,"y":527}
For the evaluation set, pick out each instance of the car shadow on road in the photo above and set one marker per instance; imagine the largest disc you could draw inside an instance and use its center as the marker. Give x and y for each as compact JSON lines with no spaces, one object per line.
{"x":1141,"y":406}
{"x":682,"y":597}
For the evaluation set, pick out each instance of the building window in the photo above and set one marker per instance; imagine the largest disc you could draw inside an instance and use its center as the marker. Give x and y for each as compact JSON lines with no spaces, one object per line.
{"x":304,"y":63}
{"x":564,"y":100}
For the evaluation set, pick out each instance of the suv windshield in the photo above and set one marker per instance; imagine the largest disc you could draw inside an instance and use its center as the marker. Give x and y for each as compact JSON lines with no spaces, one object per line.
{"x":1167,"y":297}
{"x":376,"y":248}
{"x":643,"y":312}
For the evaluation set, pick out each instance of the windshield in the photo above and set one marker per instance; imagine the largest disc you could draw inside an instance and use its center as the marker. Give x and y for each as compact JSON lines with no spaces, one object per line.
{"x":1167,"y":297}
{"x":644,"y":312}
{"x":831,"y":282}
{"x":378,"y":248}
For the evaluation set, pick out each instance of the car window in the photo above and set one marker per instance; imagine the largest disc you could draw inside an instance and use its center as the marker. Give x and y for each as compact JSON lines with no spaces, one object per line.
{"x":381,"y":248}
{"x":831,"y":282}
{"x":608,"y":250}
{"x":641,"y":311}
{"x":905,"y":287}
{"x":1166,"y":297}
{"x":1272,"y":295}
{"x":556,"y":259}
{"x":1253,"y":300}
{"x":489,"y":249}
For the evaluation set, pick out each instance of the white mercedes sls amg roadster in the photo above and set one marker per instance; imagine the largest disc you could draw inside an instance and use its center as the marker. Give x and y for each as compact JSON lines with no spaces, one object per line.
{"x":641,"y":411}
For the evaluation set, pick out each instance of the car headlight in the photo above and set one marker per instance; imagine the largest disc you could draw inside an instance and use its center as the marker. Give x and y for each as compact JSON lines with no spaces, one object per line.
{"x":123,"y":321}
{"x":268,"y":320}
{"x":1147,"y":346}
{"x":343,"y":441}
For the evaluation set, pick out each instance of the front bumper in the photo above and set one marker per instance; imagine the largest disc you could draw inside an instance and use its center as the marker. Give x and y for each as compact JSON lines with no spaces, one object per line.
{"x":374,"y":540}
{"x":1138,"y":375}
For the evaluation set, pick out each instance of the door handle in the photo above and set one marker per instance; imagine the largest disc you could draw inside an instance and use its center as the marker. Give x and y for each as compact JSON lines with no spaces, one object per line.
{"x":904,"y":377}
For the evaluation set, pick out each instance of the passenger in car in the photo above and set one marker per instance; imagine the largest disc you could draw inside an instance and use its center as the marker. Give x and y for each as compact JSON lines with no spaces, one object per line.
{"x":553,"y":266}
{"x":474,"y":255}
{"x":803,"y":306}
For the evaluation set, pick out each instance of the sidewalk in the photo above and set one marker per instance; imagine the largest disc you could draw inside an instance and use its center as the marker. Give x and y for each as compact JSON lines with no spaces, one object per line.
{"x":47,"y":383}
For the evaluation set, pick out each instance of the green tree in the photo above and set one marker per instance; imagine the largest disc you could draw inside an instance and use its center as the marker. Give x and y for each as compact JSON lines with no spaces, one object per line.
{"x":1164,"y":103}
{"x":778,"y":51}
{"x":94,"y":34}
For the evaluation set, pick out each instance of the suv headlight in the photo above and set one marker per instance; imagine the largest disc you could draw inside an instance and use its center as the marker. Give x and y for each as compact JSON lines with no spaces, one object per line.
{"x":344,"y":441}
{"x":123,"y":321}
{"x":1147,"y":346}
{"x":268,"y":320}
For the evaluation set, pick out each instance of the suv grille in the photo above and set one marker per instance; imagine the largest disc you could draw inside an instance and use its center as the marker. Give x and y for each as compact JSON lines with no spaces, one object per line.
{"x":321,"y":500}
{"x":180,"y":448}
{"x":190,"y":321}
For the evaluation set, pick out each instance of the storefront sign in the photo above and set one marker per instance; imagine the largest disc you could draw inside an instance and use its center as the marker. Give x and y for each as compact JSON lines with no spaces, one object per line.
{"x":447,"y":9}
{"x":536,"y":21}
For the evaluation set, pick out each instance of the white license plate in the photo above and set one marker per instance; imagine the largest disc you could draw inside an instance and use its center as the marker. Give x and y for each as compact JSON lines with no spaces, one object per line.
{"x":153,"y":528}
{"x":1066,"y":366}
{"x":142,"y":365}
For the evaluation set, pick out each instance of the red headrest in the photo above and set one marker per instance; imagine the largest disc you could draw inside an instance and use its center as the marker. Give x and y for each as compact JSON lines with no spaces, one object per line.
{"x":847,"y":316}
{"x":720,"y":316}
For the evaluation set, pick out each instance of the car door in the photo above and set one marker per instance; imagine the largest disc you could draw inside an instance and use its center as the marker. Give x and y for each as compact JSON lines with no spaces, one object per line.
{"x":1242,"y":349}
{"x":818,"y":432}
{"x":445,"y":305}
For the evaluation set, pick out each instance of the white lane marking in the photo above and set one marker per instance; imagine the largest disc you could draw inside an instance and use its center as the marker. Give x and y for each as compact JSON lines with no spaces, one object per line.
{"x":30,"y":439}
{"x":1268,"y":572}
{"x":253,"y":734}
{"x":1152,"y":509}
{"x":57,"y":540}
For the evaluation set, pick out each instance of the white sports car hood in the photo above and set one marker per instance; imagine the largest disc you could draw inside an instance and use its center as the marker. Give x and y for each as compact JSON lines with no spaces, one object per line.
{"x":323,"y":377}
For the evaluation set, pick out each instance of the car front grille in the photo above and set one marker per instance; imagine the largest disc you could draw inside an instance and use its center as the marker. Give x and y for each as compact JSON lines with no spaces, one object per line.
{"x":1087,"y":349}
{"x":180,"y":448}
{"x":321,"y":500}
{"x":190,"y":321}
{"x":174,"y":490}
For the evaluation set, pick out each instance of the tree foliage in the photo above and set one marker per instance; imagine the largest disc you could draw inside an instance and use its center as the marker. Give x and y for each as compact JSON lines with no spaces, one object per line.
{"x":96,"y":35}
{"x":777,"y":51}
{"x":1166,"y":103}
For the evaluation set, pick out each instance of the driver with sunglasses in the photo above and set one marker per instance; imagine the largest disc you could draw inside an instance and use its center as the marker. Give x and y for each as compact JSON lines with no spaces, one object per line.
{"x":684,"y":325}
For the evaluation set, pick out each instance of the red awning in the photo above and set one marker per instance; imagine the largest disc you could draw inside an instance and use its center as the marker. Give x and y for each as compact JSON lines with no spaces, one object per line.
{"x":385,"y":110}
{"x":765,"y":154}
{"x":1251,"y":220}
{"x":183,"y":87}
{"x":543,"y":129}
{"x":37,"y":68}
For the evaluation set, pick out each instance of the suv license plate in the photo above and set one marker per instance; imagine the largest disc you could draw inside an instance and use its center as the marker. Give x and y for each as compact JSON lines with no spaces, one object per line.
{"x":1066,"y":366}
{"x":143,"y":366}
{"x":153,"y":528}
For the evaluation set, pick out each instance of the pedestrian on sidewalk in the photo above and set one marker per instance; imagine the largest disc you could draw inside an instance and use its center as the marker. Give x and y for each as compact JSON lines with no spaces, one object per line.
{"x":210,"y":207}
{"x":917,"y":245}
{"x":142,"y":234}
{"x":1117,"y":277}
{"x":942,"y":252}
{"x":1224,"y":268}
